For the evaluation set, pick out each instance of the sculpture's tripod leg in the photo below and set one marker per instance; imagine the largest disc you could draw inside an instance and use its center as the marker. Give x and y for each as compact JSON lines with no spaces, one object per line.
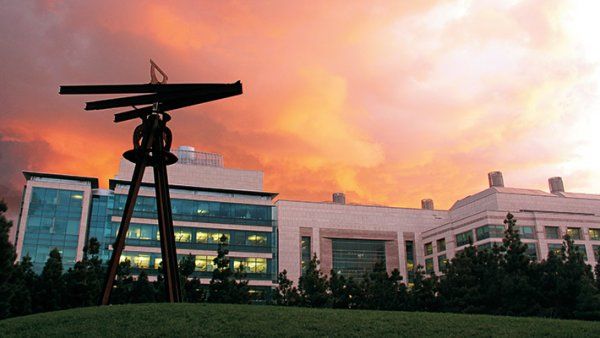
{"x":165,"y":221}
{"x":136,"y":182}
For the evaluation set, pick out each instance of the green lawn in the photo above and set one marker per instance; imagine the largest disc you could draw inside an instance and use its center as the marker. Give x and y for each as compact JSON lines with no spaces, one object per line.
{"x":168,"y":320}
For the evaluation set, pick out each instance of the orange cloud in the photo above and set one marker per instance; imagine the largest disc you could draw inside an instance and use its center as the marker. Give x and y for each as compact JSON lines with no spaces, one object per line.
{"x":390,"y":101}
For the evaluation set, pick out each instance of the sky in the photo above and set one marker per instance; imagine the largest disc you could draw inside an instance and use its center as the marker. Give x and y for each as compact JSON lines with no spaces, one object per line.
{"x":388,"y":101}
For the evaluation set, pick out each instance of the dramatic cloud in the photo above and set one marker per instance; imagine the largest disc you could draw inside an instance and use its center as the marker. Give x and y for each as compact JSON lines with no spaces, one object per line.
{"x":389,"y":101}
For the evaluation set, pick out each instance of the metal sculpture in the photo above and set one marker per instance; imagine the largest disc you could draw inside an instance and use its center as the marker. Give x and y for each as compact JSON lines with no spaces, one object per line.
{"x":151,"y":147}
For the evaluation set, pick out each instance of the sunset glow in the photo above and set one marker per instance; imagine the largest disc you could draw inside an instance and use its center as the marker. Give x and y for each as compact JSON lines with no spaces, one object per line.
{"x":388,"y":101}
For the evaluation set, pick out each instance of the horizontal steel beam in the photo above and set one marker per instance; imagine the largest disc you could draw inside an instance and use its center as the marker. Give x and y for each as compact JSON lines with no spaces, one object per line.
{"x":142,"y":88}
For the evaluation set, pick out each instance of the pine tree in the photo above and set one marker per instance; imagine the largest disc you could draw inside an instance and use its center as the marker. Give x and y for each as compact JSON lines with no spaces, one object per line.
{"x":286,"y":293}
{"x":7,"y":259}
{"x":517,"y":292}
{"x":381,"y":291}
{"x":50,"y":290}
{"x":312,"y":285}
{"x":423,"y":294}
{"x":123,"y":284}
{"x":22,"y":282}
{"x":84,"y":280}
{"x":223,"y":287}
{"x":142,"y":290}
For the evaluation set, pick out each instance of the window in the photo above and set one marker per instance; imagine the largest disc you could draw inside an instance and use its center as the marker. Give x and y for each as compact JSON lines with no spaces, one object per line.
{"x":429,"y":265}
{"x":256,"y":239}
{"x":552,"y":233}
{"x":596,"y":248}
{"x":531,"y":251}
{"x":306,"y":252}
{"x":441,"y":245}
{"x":486,"y":246}
{"x":556,"y":248}
{"x":428,"y":249}
{"x":490,"y":231}
{"x":581,"y":248}
{"x":527,"y":232}
{"x":410,"y":260}
{"x":464,"y":238}
{"x":355,"y":257}
{"x":212,"y":237}
{"x":205,"y":263}
{"x":442,"y":262}
{"x":594,"y":234}
{"x":183,"y":235}
{"x":251,"y":264}
{"x":574,"y":233}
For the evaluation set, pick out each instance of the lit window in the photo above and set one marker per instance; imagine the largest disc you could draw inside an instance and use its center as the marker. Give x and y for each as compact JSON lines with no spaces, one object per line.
{"x":594,"y":234}
{"x":201,"y":237}
{"x":215,"y":237}
{"x":574,"y":233}
{"x":257,"y":239}
{"x":142,"y":261}
{"x":441,"y":245}
{"x":184,"y":236}
{"x":556,"y":248}
{"x":552,"y":233}
{"x":205,"y":263}
{"x":157,"y":262}
{"x":428,"y":249}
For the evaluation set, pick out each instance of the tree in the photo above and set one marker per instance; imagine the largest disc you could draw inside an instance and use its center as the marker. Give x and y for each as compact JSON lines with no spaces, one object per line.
{"x":381,"y":291}
{"x":312,"y":285}
{"x":123,"y":284}
{"x":84,"y":280}
{"x":50,"y":290}
{"x":423,"y":294}
{"x":142,"y":290}
{"x":193,"y":291}
{"x":223,"y":287}
{"x":7,"y":259}
{"x":345,"y":292}
{"x":22,"y":282}
{"x":517,"y":292}
{"x":286,"y":293}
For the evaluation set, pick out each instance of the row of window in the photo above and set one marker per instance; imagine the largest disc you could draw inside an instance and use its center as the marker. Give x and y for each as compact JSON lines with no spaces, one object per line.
{"x":251,"y":265}
{"x":497,"y":231}
{"x":553,"y":232}
{"x":201,"y":211}
{"x":198,"y":235}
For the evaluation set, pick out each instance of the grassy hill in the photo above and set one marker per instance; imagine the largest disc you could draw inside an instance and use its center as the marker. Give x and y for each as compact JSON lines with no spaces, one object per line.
{"x":168,"y":320}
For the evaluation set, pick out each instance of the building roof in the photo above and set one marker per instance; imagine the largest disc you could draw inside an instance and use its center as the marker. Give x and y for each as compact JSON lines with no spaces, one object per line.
{"x":114,"y":182}
{"x":93,"y":181}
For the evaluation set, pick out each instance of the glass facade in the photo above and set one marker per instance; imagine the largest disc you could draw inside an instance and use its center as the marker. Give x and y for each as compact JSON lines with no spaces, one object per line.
{"x":552,"y":232}
{"x":464,"y":237}
{"x":489,"y":231}
{"x":355,"y":257}
{"x":100,"y":225}
{"x":202,"y":211}
{"x":53,"y":222}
